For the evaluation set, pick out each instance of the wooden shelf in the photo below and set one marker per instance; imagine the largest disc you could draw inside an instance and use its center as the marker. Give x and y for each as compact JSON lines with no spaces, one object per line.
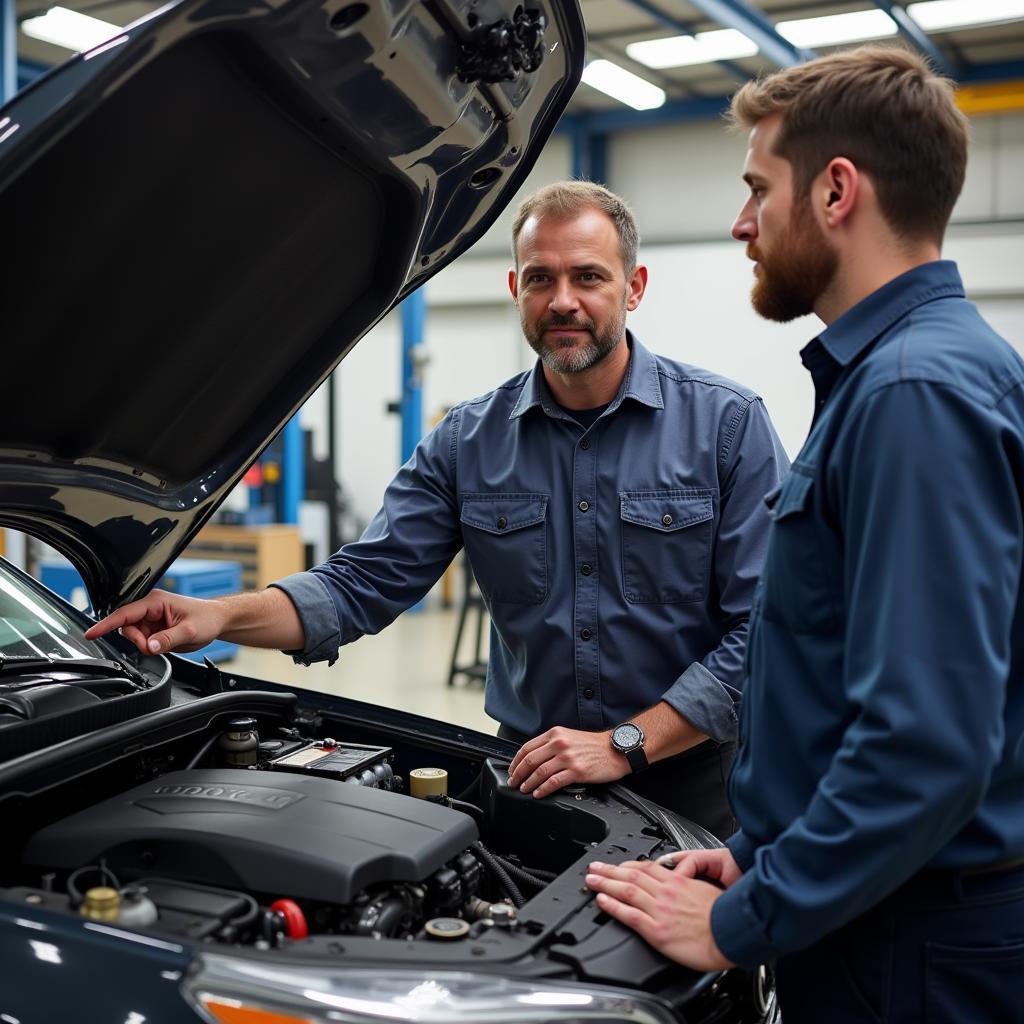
{"x":266,"y":553}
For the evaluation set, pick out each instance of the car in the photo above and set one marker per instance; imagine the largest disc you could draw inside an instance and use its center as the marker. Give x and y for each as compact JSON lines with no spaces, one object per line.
{"x":208,"y":211}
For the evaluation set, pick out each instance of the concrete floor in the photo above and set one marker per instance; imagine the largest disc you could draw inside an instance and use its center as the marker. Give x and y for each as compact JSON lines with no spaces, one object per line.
{"x":405,"y":666}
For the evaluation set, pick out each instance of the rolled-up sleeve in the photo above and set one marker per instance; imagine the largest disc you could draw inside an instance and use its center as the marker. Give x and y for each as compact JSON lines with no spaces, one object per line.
{"x":318,"y":615}
{"x":402,"y":553}
{"x":751,"y":462}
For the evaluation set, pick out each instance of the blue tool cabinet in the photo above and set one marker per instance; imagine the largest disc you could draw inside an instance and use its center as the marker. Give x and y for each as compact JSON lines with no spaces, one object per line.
{"x":191,"y":577}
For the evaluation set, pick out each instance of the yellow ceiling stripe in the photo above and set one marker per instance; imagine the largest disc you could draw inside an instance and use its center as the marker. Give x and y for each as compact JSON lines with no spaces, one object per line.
{"x":991,"y":98}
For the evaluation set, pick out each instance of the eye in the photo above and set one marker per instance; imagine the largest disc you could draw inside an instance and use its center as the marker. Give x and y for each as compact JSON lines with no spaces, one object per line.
{"x":588,"y":276}
{"x":536,"y":278}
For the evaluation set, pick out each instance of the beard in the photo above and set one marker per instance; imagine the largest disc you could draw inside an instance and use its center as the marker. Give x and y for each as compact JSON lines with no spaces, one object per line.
{"x":567,"y":355}
{"x":796,"y":273}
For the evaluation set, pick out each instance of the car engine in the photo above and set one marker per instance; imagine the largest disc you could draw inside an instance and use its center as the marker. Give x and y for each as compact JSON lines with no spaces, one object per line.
{"x":262,"y":841}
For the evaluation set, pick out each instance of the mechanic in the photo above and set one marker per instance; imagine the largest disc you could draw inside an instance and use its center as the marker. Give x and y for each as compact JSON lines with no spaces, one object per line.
{"x":879,"y":783}
{"x":611,"y":506}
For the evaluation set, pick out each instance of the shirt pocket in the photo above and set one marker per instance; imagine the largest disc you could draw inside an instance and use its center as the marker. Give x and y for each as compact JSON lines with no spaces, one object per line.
{"x":796,"y":589}
{"x":666,"y":545}
{"x":506,"y":541}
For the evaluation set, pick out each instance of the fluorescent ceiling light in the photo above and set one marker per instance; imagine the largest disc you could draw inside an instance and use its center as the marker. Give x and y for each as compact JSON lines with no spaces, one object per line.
{"x":70,"y":29}
{"x":935,"y":15}
{"x":702,"y":48}
{"x":838,"y":28}
{"x":622,"y":85}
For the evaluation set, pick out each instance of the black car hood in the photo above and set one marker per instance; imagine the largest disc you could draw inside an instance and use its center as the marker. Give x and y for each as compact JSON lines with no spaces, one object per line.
{"x":205,"y":214}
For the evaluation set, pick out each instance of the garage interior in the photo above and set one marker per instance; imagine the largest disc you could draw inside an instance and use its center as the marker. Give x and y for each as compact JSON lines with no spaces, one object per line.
{"x":459,"y":336}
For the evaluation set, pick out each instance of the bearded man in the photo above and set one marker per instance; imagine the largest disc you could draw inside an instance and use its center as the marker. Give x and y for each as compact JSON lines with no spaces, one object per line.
{"x":879,"y":785}
{"x":610,"y":504}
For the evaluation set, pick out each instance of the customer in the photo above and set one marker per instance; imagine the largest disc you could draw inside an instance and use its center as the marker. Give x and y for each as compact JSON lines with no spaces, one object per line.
{"x":879,"y":783}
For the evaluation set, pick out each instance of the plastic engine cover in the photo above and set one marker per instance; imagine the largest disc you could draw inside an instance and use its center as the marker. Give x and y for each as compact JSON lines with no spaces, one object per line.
{"x":262,"y":831}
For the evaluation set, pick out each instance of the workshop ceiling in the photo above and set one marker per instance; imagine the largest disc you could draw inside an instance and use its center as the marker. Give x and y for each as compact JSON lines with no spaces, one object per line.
{"x":991,"y":52}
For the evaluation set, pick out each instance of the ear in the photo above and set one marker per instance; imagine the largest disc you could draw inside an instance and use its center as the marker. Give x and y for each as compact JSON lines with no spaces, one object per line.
{"x":837,"y":190}
{"x":513,"y":284}
{"x":635,"y":287}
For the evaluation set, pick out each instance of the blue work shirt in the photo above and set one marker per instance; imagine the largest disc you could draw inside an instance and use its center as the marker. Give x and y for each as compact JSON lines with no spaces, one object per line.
{"x":617,"y":561}
{"x":883,"y":721}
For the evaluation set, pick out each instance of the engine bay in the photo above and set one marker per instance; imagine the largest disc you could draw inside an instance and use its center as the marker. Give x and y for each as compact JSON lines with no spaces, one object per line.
{"x":242,"y":821}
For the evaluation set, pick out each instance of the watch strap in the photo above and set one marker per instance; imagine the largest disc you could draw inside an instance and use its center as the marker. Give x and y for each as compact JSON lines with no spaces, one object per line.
{"x":637,"y":759}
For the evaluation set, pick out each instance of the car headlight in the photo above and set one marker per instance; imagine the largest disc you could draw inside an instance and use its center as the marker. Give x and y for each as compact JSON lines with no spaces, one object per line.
{"x":231,"y":990}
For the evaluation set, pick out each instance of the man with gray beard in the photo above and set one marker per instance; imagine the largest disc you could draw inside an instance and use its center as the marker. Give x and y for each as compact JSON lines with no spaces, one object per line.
{"x":610,"y":504}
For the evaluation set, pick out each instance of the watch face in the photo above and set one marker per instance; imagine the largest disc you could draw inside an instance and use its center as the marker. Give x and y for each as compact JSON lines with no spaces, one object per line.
{"x":626,"y":736}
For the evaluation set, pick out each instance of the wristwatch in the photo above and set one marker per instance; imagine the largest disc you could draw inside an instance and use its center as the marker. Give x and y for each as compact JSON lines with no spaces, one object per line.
{"x":628,"y":739}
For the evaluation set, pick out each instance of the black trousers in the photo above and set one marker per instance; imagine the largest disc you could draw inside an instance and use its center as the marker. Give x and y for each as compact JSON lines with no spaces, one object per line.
{"x":693,"y":783}
{"x":946,"y":948}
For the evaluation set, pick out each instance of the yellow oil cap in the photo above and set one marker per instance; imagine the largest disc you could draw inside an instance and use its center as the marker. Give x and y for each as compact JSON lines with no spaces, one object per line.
{"x":101,"y":903}
{"x":424,"y":782}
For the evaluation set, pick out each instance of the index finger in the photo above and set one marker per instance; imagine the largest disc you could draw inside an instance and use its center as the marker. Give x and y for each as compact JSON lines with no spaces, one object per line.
{"x":126,"y":616}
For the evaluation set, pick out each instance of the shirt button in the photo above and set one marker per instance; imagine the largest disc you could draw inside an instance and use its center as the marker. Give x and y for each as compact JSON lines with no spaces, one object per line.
{"x":502,"y":522}
{"x":586,"y":568}
{"x":588,"y":693}
{"x":666,"y":520}
{"x":586,"y":633}
{"x":584,"y":505}
{"x":584,"y":444}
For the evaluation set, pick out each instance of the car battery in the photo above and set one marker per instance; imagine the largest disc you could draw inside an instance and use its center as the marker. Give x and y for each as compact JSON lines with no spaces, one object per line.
{"x":349,"y":762}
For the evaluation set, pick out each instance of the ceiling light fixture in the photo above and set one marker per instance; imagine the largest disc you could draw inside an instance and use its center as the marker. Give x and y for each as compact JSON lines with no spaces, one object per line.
{"x":833,"y":29}
{"x":936,"y":15}
{"x":70,"y":29}
{"x":623,"y":85}
{"x":702,"y":48}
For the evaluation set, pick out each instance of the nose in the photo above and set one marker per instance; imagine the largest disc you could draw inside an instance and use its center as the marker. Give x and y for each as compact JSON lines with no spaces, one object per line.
{"x":563,"y":299}
{"x":744,"y":227}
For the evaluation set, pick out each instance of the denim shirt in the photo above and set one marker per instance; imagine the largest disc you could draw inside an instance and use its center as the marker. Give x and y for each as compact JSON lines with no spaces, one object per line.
{"x":617,"y":562}
{"x":883,"y":719}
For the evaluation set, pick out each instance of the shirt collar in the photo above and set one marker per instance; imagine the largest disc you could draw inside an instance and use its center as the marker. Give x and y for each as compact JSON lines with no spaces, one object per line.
{"x":860,"y":325}
{"x":641,"y":383}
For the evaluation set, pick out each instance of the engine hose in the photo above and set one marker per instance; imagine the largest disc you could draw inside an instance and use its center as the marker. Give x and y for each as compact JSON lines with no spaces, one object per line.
{"x":77,"y":896}
{"x":246,"y":918}
{"x":520,"y":874}
{"x":467,"y":808}
{"x":504,"y":879}
{"x":543,"y":876}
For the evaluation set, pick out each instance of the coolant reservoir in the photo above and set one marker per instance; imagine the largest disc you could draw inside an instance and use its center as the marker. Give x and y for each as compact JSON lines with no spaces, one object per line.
{"x":137,"y":909}
{"x":424,"y":782}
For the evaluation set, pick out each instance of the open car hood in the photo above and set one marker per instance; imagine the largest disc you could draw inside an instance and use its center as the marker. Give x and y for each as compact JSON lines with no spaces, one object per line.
{"x":209,"y":210}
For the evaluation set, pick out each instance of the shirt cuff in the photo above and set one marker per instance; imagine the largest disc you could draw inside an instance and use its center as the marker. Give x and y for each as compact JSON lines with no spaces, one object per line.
{"x":318,"y":615}
{"x":705,"y":702}
{"x":742,"y":850}
{"x":736,"y":929}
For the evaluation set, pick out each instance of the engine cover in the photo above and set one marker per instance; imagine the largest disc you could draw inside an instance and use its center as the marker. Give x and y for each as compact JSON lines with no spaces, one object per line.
{"x":263,"y":831}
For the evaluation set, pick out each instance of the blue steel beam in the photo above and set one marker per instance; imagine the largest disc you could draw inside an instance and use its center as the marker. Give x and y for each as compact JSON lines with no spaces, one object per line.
{"x":8,"y":51}
{"x":746,"y":18}
{"x":293,"y":470}
{"x":1007,"y":71}
{"x":917,"y":37}
{"x":414,"y":315}
{"x":589,"y":154}
{"x":582,"y":127}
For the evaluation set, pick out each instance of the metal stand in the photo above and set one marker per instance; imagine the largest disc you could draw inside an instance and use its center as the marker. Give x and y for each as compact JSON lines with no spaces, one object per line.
{"x":472,"y":605}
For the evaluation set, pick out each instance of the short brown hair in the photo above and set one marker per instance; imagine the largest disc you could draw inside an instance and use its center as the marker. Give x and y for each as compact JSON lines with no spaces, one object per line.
{"x":884,"y":109}
{"x":568,"y":198}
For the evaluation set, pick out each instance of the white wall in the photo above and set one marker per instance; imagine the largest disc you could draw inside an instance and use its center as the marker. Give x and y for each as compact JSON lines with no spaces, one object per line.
{"x":683,"y":182}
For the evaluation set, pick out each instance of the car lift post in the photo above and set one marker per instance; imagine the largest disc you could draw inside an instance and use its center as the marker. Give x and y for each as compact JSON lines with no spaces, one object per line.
{"x":8,"y":51}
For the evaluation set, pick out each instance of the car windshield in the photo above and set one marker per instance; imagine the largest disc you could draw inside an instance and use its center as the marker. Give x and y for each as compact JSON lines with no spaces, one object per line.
{"x":33,"y":627}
